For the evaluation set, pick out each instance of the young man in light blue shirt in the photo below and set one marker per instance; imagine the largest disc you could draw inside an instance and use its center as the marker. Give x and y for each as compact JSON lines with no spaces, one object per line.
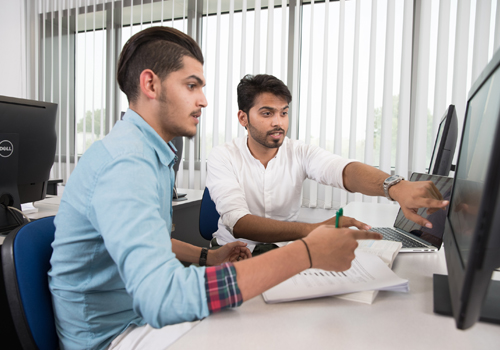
{"x":116,"y":279}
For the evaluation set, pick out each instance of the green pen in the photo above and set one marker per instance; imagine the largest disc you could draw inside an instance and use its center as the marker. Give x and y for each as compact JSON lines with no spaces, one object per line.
{"x":338,"y":215}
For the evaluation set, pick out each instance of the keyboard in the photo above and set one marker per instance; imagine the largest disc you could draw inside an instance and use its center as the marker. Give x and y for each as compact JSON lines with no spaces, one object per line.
{"x":393,"y":235}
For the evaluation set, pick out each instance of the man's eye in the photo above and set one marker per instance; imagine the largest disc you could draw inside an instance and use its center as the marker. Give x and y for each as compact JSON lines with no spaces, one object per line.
{"x":191,"y":86}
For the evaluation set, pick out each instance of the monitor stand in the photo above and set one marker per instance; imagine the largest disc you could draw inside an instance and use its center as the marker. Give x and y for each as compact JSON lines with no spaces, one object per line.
{"x":490,"y":311}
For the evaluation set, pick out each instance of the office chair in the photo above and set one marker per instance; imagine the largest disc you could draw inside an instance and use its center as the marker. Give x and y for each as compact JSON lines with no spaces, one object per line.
{"x":209,"y":217}
{"x":26,"y":254}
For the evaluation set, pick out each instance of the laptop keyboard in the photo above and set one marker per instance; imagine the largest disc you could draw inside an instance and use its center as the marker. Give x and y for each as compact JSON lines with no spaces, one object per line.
{"x":393,"y":235}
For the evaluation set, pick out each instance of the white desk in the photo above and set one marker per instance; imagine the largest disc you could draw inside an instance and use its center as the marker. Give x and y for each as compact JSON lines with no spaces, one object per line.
{"x":393,"y":321}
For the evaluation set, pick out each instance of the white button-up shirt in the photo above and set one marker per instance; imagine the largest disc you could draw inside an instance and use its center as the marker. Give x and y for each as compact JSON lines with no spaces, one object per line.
{"x":240,"y":185}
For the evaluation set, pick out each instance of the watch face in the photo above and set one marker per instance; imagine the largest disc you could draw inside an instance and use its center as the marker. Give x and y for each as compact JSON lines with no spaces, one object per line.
{"x":392,"y":178}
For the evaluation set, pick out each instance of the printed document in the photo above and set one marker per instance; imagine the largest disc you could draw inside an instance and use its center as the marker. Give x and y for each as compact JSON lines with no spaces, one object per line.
{"x":368,"y":272}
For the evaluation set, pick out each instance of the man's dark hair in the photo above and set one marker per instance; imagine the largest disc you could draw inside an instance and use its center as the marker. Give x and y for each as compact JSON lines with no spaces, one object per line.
{"x":251,"y":86}
{"x":160,"y":49}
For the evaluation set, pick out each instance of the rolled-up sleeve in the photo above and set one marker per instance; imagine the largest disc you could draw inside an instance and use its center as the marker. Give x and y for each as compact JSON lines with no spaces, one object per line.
{"x":222,"y":288}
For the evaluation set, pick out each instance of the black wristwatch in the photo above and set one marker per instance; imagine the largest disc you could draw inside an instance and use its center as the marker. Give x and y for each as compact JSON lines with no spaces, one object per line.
{"x":391,"y":181}
{"x":203,"y":256}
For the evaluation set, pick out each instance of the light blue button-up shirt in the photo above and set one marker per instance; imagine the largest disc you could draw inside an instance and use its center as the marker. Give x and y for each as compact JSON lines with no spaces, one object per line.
{"x":113,"y":264}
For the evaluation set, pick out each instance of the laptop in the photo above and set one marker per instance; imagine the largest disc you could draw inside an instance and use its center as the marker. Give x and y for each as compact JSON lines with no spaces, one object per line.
{"x":414,"y":237}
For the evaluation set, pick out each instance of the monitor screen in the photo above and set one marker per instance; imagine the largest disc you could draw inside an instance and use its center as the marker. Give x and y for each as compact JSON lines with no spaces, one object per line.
{"x":444,"y":147}
{"x":472,"y":228}
{"x":27,"y":150}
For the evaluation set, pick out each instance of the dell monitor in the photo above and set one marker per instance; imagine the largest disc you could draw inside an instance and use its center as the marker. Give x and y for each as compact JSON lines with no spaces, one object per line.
{"x":27,"y":150}
{"x":472,"y":227}
{"x":446,"y":141}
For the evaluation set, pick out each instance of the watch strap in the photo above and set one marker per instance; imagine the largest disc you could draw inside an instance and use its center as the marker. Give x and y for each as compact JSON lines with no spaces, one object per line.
{"x":203,"y":256}
{"x":389,"y":182}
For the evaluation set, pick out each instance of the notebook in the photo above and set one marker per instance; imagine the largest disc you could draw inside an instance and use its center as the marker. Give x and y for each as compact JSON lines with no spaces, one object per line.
{"x":414,"y":237}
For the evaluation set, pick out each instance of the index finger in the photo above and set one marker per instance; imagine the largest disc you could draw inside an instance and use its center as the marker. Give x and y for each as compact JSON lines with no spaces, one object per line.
{"x":366,"y":235}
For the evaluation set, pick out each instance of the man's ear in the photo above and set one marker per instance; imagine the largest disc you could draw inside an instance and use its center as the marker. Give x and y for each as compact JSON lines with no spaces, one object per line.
{"x":243,"y":118}
{"x":149,"y":83}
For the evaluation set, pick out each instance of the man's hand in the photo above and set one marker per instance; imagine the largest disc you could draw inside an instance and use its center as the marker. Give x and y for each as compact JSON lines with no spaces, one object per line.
{"x":230,"y":252}
{"x":346,"y":221}
{"x":333,"y":248}
{"x":419,"y":194}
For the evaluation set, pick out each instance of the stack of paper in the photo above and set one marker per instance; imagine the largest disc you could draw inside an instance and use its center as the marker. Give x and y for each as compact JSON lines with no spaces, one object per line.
{"x":387,"y":251}
{"x":367,"y":273}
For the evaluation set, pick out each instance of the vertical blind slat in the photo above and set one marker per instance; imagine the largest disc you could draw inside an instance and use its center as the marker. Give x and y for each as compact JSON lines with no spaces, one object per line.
{"x":339,"y":196}
{"x":295,"y":73}
{"x":324,"y":194}
{"x":459,"y":93}
{"x":77,"y":90}
{"x":283,"y":40}
{"x":59,"y":87}
{"x":256,"y":38}
{"x":481,"y":38}
{"x":421,"y":93}
{"x":103,"y":69}
{"x":441,"y":63}
{"x":310,"y":76}
{"x":203,"y":148}
{"x":229,"y":81}
{"x":387,"y":108}
{"x":93,"y":72}
{"x":37,"y":48}
{"x":270,"y":37}
{"x":216,"y":78}
{"x":84,"y":106}
{"x":68,"y":100}
{"x":496,"y":42}
{"x":370,"y":105}
{"x":404,"y":92}
{"x":142,"y":13}
{"x":243,"y":71}
{"x":173,"y":12}
{"x":340,"y":82}
{"x":354,"y":92}
{"x":309,"y":188}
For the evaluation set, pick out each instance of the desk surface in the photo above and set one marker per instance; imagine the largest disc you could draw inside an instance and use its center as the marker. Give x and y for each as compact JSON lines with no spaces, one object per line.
{"x":394,"y":319}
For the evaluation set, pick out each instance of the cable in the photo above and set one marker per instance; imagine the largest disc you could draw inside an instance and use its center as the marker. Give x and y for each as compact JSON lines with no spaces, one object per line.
{"x":20,"y":212}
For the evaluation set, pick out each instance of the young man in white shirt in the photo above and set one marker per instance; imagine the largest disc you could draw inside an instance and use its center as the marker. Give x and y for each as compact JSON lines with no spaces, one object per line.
{"x":256,"y":181}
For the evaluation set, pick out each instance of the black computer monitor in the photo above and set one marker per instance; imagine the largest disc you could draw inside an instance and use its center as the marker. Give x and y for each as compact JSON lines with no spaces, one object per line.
{"x":27,"y":151}
{"x":472,"y":227}
{"x":446,"y":141}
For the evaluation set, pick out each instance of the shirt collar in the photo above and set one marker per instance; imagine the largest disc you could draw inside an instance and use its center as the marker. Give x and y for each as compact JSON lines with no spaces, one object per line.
{"x":166,"y":151}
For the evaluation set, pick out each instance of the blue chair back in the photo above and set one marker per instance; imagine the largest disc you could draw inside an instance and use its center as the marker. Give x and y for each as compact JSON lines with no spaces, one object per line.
{"x":209,"y":217}
{"x":26,"y":254}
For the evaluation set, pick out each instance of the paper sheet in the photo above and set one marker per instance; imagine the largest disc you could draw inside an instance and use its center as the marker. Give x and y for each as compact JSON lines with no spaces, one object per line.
{"x":368,"y":272}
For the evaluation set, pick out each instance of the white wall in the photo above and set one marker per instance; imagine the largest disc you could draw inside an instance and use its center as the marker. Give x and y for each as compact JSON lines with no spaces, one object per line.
{"x":12,"y":67}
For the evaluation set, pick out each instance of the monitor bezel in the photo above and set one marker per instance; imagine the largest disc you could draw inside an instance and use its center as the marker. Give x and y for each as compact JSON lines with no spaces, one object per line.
{"x":467,"y":281}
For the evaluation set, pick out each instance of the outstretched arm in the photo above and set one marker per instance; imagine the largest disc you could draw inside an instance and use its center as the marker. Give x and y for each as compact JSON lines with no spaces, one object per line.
{"x":411,"y":196}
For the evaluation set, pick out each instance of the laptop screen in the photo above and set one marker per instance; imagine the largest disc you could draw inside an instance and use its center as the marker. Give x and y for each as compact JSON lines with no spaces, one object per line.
{"x":432,"y":235}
